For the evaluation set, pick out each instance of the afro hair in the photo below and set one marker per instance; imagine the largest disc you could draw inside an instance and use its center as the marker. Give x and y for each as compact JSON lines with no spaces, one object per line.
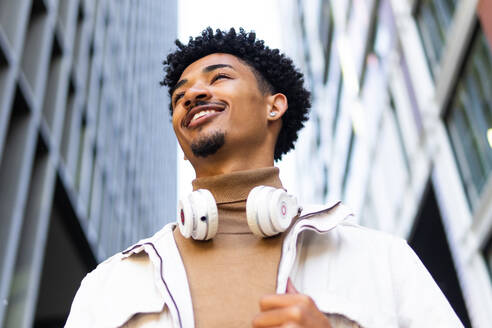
{"x":274,"y":67}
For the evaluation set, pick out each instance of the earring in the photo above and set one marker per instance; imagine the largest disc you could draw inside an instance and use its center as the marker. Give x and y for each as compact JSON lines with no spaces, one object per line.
{"x":272,"y":114}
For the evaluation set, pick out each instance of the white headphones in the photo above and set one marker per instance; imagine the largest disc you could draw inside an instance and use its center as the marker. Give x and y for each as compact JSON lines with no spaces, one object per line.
{"x":269,"y":212}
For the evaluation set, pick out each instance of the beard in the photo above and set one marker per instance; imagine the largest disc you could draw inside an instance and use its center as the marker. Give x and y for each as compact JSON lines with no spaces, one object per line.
{"x":208,"y":145}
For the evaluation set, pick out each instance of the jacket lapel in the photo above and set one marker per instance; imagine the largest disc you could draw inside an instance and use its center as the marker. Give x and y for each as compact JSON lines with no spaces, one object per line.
{"x":320,"y":219}
{"x":174,"y":275}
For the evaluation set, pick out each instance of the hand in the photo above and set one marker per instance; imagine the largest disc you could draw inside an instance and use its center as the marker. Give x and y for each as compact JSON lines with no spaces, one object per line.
{"x":289,"y":310}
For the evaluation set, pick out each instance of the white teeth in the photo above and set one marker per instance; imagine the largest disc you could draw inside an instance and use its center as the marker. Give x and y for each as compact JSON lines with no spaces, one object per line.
{"x":202,"y":113}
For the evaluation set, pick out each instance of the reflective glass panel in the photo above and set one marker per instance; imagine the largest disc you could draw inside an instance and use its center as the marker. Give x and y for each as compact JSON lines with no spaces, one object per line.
{"x":433,"y":19}
{"x":469,"y":120}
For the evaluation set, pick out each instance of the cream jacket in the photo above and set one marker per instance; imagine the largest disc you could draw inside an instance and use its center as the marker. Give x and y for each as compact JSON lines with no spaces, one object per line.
{"x":373,"y":279}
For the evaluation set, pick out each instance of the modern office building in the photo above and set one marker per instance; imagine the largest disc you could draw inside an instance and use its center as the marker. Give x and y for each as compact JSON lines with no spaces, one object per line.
{"x":401,"y":128}
{"x":87,"y":153}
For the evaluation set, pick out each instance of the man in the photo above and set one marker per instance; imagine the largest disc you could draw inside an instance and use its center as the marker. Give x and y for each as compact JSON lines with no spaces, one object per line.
{"x":236,"y":107}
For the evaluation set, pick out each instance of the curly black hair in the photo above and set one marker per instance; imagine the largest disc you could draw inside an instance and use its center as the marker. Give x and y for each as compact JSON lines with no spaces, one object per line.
{"x":273,"y":67}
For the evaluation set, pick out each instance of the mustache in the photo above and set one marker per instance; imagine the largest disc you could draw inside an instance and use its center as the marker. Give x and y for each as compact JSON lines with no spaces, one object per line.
{"x":202,"y":105}
{"x":204,"y":102}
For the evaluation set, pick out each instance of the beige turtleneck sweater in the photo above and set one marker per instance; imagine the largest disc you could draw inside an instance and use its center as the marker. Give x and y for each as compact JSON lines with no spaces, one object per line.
{"x":228,"y":274}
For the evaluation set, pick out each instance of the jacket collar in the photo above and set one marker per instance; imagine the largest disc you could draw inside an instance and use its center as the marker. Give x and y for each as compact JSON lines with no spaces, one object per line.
{"x":164,"y":253}
{"x":319,"y":218}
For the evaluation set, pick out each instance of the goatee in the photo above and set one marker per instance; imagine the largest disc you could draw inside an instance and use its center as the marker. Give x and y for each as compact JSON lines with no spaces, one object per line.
{"x":208,"y":145}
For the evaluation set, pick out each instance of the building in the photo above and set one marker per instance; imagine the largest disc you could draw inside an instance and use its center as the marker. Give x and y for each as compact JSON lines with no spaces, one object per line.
{"x":401,"y":128}
{"x":87,"y":153}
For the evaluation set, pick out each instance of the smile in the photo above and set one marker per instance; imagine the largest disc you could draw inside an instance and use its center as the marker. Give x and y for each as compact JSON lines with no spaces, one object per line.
{"x":202,"y":114}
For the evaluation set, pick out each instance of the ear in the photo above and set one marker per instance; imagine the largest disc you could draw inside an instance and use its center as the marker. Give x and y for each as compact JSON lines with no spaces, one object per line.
{"x":278,"y":104}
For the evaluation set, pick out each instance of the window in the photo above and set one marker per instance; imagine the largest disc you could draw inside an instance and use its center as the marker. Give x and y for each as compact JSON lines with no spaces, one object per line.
{"x":326,"y":32}
{"x":348,"y":163}
{"x":383,"y":37}
{"x":338,"y":104}
{"x":325,"y":181}
{"x":305,"y":47}
{"x":433,"y":19}
{"x":360,"y":27}
{"x":488,"y":256}
{"x":390,"y":169}
{"x":469,"y":120}
{"x":398,"y":129}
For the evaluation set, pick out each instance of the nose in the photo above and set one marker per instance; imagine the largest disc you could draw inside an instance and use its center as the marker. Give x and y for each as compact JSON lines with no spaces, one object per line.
{"x":196,"y":93}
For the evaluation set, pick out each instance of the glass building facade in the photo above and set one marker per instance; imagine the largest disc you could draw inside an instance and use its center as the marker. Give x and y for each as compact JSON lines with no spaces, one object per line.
{"x":401,"y":128}
{"x":87,"y":152}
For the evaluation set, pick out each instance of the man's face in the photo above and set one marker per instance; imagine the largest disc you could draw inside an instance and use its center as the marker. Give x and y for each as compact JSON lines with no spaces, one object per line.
{"x":218,"y":106}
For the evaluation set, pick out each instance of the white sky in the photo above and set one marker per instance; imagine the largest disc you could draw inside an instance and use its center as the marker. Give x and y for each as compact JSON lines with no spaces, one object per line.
{"x":261,"y":16}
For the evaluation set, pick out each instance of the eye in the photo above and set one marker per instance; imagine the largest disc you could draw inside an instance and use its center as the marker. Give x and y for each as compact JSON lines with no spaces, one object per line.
{"x":178,"y":97}
{"x":220,"y":76}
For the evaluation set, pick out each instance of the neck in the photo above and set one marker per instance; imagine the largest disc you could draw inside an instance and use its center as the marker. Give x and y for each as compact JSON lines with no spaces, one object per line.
{"x":218,"y":164}
{"x":230,"y":192}
{"x":237,"y":185}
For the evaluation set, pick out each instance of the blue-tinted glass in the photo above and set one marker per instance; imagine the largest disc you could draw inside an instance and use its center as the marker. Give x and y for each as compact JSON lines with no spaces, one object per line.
{"x":433,"y":19}
{"x":470,"y":120}
{"x":466,"y":151}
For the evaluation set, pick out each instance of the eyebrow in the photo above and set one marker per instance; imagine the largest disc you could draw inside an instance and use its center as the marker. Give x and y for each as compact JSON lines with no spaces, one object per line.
{"x":207,"y":69}
{"x":180,"y":83}
{"x":210,"y":68}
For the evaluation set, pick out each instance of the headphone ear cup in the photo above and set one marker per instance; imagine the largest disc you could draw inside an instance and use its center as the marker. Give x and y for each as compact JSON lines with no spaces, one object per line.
{"x":283,"y":208}
{"x":258,"y":213}
{"x":185,"y":217}
{"x":263,"y":210}
{"x":207,"y":218}
{"x":270,"y":211}
{"x":251,"y":213}
{"x":198,"y":215}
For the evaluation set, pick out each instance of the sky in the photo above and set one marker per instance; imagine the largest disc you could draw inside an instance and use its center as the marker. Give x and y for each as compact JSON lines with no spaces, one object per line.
{"x":261,"y":16}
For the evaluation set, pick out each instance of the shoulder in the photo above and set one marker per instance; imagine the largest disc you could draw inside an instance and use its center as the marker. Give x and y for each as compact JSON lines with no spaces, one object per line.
{"x":339,"y":220}
{"x":366,"y":271}
{"x":134,"y":253}
{"x":120,"y":281}
{"x":335,"y":232}
{"x":354,"y":232}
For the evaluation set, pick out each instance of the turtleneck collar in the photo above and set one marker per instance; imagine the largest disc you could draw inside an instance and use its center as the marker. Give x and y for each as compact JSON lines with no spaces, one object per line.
{"x":235,"y":186}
